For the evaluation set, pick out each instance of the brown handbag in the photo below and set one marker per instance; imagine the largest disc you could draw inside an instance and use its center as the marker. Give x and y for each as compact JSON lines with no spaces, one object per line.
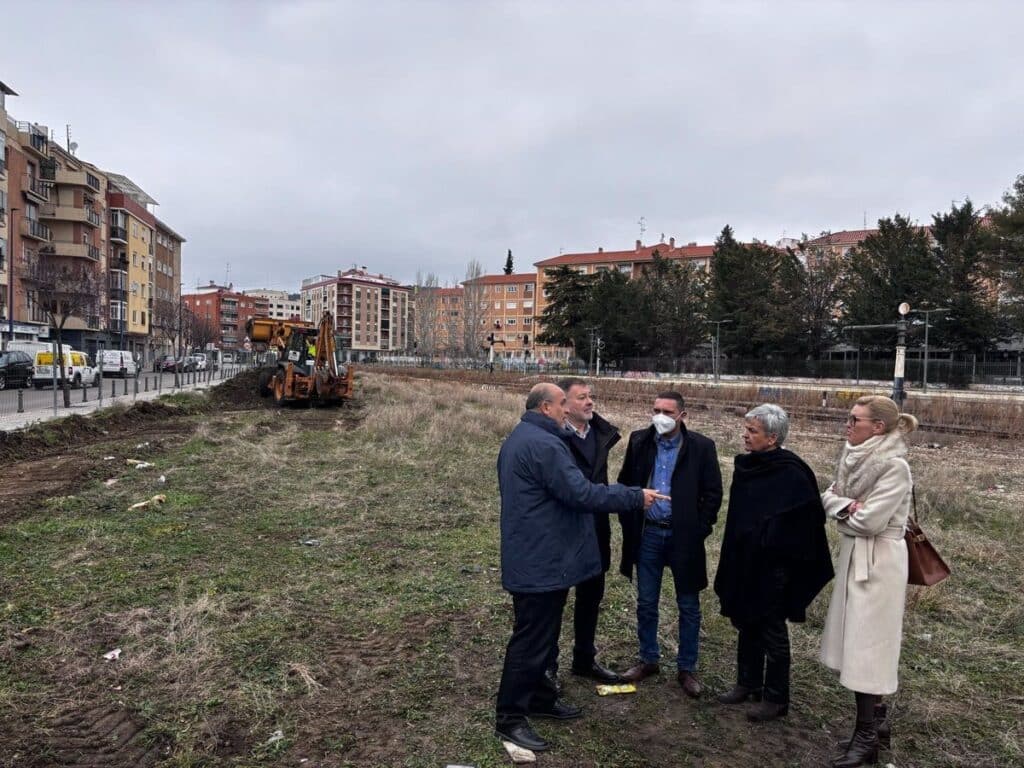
{"x":925,"y":566}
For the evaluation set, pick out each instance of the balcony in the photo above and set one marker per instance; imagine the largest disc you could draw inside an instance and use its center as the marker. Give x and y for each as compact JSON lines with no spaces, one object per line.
{"x":70,"y":213}
{"x":35,"y":189}
{"x":36,"y":230}
{"x":33,"y":138}
{"x":118,"y":234}
{"x":76,"y":179}
{"x":74,"y":250}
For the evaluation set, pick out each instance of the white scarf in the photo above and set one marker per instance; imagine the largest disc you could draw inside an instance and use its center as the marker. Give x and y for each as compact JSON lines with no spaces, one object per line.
{"x":860,"y":466}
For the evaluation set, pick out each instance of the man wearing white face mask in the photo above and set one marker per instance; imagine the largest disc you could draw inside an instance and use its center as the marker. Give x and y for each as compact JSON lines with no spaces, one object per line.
{"x":683,"y":465}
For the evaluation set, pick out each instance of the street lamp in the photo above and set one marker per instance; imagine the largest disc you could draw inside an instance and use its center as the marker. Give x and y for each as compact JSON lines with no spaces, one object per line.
{"x":898,"y":393}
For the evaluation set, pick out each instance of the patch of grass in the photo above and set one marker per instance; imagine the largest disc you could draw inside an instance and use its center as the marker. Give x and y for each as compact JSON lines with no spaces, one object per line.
{"x":333,"y":574}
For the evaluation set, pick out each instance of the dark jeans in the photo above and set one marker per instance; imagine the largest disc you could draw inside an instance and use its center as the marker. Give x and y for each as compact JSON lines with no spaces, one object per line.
{"x":654,"y":558}
{"x":531,"y":650}
{"x":762,"y":658}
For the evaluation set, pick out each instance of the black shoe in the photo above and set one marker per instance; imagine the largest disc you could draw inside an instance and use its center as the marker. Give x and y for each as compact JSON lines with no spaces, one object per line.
{"x":551,"y":681}
{"x":740,"y":694}
{"x":766,"y":711}
{"x":596,"y":672}
{"x":559,"y":711}
{"x":522,"y":735}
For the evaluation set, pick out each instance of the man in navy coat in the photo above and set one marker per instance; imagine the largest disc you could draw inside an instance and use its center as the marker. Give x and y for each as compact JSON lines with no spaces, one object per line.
{"x":548,"y":544}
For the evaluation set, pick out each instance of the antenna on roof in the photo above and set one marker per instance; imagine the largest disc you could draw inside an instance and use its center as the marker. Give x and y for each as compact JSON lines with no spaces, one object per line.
{"x":71,"y":145}
{"x":227,"y":272}
{"x":643,"y":226}
{"x":865,"y":219}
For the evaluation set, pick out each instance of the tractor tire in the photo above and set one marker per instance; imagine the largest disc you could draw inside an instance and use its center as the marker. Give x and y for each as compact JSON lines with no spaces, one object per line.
{"x":278,"y":384}
{"x":264,"y":382}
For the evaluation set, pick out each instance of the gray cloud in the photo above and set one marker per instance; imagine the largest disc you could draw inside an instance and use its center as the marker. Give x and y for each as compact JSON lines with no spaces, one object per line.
{"x":294,"y":138}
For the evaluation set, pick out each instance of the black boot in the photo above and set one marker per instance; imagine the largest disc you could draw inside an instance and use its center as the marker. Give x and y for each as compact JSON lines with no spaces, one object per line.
{"x":862,"y":749}
{"x":883,"y":725}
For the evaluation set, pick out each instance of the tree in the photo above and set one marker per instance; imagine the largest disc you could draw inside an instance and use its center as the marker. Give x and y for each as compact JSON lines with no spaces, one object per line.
{"x":755,"y":288}
{"x":473,"y":309}
{"x":960,"y":250}
{"x":508,"y":263}
{"x":65,"y":289}
{"x":610,"y":307}
{"x":893,"y":265}
{"x":428,"y":313}
{"x":671,"y":312}
{"x":566,"y":315}
{"x":164,"y":321}
{"x":1007,"y":257}
{"x":819,"y":297}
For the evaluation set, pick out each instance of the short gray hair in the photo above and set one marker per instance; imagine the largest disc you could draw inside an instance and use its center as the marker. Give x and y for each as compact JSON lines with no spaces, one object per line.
{"x":774,"y":420}
{"x":540,"y":393}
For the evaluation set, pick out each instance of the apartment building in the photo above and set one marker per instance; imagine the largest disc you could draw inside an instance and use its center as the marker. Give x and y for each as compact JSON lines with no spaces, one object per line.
{"x":632,"y":263}
{"x":133,"y":252}
{"x":281,"y":305}
{"x":438,"y":321}
{"x":226,"y":311}
{"x":509,"y":308}
{"x":372,"y":313}
{"x":6,"y":238}
{"x":166,"y":290}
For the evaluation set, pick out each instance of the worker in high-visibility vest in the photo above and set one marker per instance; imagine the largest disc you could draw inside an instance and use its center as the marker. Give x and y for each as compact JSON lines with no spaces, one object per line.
{"x":311,"y":349}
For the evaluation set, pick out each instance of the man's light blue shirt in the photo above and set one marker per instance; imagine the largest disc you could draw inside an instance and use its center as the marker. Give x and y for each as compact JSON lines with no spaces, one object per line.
{"x":661,"y":478}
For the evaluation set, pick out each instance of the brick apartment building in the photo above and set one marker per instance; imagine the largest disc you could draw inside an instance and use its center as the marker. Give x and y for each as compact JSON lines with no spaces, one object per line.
{"x":372,"y":313}
{"x":281,"y":305}
{"x":58,"y":210}
{"x":166,"y":289}
{"x":226,"y":311}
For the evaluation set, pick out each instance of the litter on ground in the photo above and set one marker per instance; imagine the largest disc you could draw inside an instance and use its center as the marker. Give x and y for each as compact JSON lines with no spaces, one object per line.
{"x":110,"y":482}
{"x":518,"y":754}
{"x":608,"y":690}
{"x":138,"y":464}
{"x":155,"y":501}
{"x":113,"y":655}
{"x":275,"y":737}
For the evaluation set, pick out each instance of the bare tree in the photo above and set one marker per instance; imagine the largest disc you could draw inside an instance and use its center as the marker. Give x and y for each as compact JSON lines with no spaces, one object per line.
{"x":428,"y":311}
{"x":473,"y":309}
{"x":199,"y":331}
{"x":164,"y":320}
{"x":63,"y":290}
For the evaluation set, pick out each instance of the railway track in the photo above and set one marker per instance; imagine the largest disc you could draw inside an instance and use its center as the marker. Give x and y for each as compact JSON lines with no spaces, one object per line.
{"x":639,"y":392}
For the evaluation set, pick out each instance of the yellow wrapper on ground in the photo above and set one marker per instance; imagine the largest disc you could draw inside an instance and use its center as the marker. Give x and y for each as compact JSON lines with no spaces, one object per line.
{"x":608,"y":690}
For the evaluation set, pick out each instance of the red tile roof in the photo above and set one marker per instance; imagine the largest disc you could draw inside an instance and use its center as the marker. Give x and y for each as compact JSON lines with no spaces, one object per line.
{"x":850,"y":236}
{"x":521,"y":277}
{"x":644,"y":253}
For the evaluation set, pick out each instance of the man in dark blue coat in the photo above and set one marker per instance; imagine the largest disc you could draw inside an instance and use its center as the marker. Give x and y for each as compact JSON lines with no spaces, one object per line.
{"x":548,"y":545}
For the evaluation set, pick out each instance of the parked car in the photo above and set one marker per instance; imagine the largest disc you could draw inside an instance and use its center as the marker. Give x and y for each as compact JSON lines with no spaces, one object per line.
{"x":117,"y":362}
{"x":15,"y":369}
{"x":199,"y":361}
{"x":78,"y":370}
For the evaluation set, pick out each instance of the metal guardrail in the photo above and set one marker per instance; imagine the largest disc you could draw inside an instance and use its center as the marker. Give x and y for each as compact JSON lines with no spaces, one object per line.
{"x":19,"y":403}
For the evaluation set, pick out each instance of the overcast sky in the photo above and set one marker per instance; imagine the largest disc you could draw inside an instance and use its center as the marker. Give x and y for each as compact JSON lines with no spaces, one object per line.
{"x":294,"y":138}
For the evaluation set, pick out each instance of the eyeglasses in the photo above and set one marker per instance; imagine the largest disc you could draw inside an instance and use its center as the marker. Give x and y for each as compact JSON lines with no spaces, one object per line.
{"x":852,"y":420}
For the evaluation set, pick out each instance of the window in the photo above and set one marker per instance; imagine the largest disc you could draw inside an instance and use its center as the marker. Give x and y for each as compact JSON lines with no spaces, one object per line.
{"x":527,"y":305}
{"x":527,"y":287}
{"x":527,"y":321}
{"x":143,"y":316}
{"x":510,"y":305}
{"x":497,"y":305}
{"x":512,"y":289}
{"x":625,"y":268}
{"x":135,"y":315}
{"x":510,"y":321}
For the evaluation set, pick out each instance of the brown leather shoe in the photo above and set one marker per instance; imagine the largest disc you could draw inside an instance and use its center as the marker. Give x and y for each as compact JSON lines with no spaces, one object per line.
{"x":691,"y":685}
{"x":640,"y":671}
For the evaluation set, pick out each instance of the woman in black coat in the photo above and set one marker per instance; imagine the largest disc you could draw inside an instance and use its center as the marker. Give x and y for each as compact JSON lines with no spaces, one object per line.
{"x":775,"y":559}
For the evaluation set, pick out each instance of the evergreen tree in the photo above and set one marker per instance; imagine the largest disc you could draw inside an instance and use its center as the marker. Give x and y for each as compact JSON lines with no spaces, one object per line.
{"x":963,"y":274}
{"x":755,"y":288}
{"x":508,"y":263}
{"x":1007,"y":247}
{"x":669,"y":318}
{"x":819,"y":298}
{"x":612,"y":309}
{"x":565,"y":317}
{"x":893,"y":265}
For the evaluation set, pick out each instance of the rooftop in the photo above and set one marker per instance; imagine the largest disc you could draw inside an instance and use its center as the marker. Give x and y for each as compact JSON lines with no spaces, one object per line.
{"x":642,"y":252}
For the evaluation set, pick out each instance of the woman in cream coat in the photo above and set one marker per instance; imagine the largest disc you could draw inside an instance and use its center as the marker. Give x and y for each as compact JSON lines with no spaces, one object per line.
{"x":870,"y":501}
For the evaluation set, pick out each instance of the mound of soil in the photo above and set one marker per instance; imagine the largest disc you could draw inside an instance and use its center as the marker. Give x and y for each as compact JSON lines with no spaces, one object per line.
{"x":74,"y":432}
{"x":239,"y":392}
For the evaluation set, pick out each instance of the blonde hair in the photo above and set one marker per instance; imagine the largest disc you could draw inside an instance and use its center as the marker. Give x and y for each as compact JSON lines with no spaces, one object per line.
{"x":885,"y":410}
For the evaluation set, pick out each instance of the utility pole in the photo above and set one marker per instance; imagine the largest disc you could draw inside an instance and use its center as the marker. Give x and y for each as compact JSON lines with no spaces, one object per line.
{"x":716,"y":344}
{"x":927,"y":313}
{"x":898,"y":392}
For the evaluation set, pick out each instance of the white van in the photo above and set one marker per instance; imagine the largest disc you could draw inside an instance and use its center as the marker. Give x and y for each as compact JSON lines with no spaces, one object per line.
{"x":77,"y":369}
{"x":117,"y":362}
